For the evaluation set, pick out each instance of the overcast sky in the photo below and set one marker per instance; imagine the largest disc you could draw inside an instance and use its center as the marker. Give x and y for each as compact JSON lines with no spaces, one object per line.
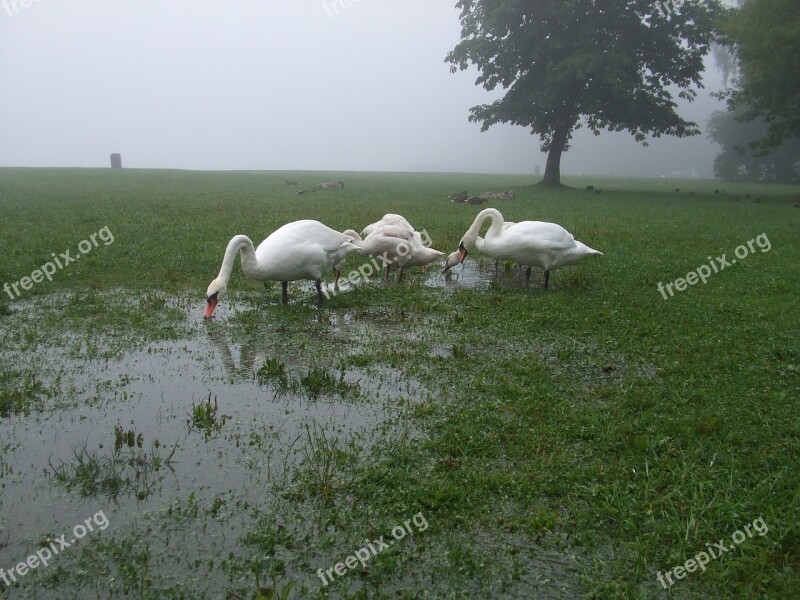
{"x":272,"y":84}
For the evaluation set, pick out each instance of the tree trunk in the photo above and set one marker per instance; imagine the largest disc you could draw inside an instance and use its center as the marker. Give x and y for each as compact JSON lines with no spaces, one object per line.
{"x":552,"y":172}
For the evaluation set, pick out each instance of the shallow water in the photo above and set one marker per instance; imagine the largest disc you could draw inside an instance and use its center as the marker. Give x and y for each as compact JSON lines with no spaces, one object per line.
{"x":263,"y":432}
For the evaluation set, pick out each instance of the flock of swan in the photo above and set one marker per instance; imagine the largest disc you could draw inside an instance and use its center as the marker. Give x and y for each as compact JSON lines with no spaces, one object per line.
{"x":307,"y":250}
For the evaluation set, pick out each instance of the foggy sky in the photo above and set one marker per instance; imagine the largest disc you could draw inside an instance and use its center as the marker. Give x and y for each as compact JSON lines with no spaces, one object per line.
{"x":274,"y":84}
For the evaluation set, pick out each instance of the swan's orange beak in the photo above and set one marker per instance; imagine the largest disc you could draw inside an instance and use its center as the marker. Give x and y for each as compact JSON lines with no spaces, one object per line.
{"x":210,"y":306}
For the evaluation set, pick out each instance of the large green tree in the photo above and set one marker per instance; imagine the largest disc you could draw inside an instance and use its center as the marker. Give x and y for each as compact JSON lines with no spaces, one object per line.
{"x":765,"y":37}
{"x":607,"y":64}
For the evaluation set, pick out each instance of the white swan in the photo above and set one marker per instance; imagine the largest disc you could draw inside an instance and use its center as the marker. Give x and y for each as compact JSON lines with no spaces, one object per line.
{"x":530,"y":243}
{"x":395,"y":245}
{"x":299,"y":250}
{"x":479,"y":244}
{"x":387,"y":220}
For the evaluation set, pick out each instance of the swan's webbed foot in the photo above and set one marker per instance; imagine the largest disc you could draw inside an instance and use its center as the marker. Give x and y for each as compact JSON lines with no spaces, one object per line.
{"x":285,"y":292}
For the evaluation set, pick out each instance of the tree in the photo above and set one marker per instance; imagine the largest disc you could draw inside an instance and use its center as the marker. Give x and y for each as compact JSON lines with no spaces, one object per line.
{"x":765,"y":36}
{"x":738,"y":162}
{"x":608,"y":64}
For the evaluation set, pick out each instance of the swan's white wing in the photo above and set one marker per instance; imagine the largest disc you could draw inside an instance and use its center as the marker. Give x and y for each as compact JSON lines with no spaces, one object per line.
{"x":302,"y":250}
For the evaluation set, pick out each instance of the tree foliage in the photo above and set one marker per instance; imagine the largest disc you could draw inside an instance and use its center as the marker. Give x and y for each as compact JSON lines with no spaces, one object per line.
{"x":738,"y":162}
{"x":765,"y":36}
{"x":606,"y":64}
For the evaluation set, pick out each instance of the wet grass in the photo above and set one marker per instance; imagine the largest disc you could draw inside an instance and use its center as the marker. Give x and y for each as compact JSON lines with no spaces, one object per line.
{"x":569,"y":443}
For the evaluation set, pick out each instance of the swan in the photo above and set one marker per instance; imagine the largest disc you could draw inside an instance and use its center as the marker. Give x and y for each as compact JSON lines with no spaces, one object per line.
{"x":394,"y":245}
{"x":529,"y":243}
{"x":479,"y":244}
{"x":388,"y":220}
{"x":298,"y":250}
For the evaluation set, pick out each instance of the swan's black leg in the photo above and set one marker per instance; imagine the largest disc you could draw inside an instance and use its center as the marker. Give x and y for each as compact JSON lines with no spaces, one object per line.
{"x":546,"y":278}
{"x":318,"y":284}
{"x":387,"y":271}
{"x":336,"y":274}
{"x":285,"y":292}
{"x":400,"y":276}
{"x":527,"y":277}
{"x":496,"y":267}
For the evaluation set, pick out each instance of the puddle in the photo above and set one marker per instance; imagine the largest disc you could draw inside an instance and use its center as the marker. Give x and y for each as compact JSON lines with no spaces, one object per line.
{"x":474,"y":274}
{"x":268,"y":409}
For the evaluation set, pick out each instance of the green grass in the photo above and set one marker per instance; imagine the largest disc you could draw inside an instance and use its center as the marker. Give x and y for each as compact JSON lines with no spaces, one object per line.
{"x":596,"y":420}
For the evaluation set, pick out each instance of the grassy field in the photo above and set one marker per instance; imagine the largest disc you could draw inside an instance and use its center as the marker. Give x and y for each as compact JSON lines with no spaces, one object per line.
{"x":567,"y":443}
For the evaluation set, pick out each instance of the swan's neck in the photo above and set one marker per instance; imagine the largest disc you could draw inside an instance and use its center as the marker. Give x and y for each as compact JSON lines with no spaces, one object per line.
{"x":239,"y":244}
{"x":495,"y":228}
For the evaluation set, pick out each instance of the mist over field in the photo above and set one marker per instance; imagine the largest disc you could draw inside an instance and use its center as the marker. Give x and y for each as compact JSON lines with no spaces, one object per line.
{"x":306,"y":85}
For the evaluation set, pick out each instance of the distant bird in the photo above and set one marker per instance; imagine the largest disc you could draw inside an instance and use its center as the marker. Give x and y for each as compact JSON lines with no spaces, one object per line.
{"x":334,"y":185}
{"x":716,"y":191}
{"x":532,"y":243}
{"x":475,"y":200}
{"x":693,"y":194}
{"x":460,"y":197}
{"x":292,"y":182}
{"x":507,"y":195}
{"x":298,"y":250}
{"x":677,"y":190}
{"x":301,"y":192}
{"x":589,"y":188}
{"x":796,"y":204}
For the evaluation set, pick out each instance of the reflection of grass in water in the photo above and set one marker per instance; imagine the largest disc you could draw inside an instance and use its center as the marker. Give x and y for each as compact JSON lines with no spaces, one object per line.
{"x":128,"y":470}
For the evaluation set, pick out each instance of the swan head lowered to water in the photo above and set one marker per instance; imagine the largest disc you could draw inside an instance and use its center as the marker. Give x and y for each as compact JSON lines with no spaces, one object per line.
{"x":456,"y":258}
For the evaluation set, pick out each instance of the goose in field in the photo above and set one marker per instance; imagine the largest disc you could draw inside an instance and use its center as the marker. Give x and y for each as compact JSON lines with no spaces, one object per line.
{"x":530,"y":243}
{"x":298,"y":250}
{"x":333,"y":185}
{"x":507,"y":195}
{"x":460,"y":197}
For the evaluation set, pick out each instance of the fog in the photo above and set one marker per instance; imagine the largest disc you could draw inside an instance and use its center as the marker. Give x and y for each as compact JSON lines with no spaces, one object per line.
{"x":274,"y":84}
